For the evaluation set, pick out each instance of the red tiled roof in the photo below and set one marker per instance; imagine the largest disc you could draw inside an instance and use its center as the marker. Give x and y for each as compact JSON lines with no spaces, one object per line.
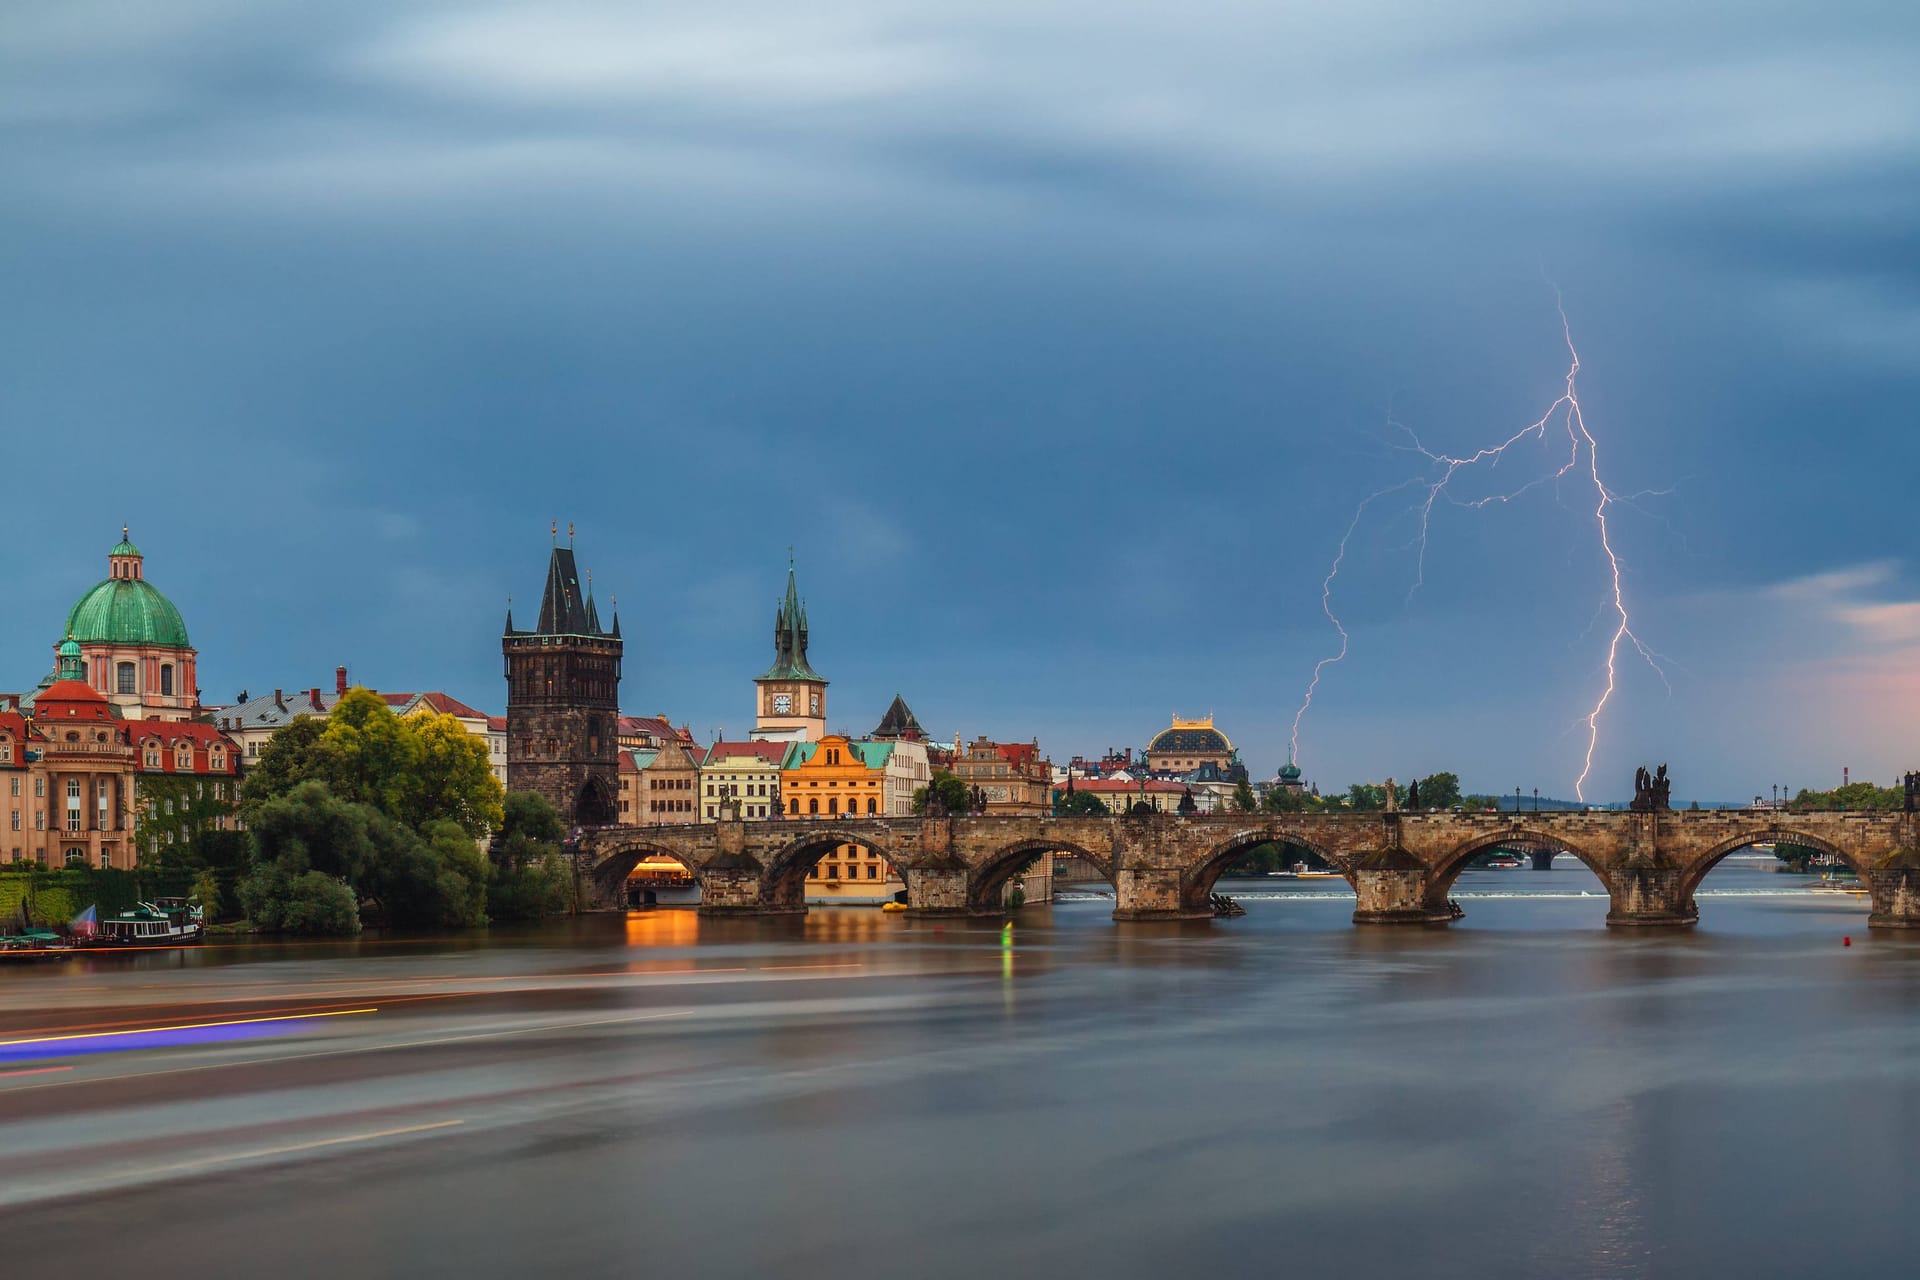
{"x":1018,"y":752}
{"x":656,"y":727}
{"x":772,"y":752}
{"x":448,"y":705}
{"x":74,"y":699}
{"x":497,"y":724}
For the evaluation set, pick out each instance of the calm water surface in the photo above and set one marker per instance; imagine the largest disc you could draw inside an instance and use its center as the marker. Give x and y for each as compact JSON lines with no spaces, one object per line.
{"x":853,"y":1094}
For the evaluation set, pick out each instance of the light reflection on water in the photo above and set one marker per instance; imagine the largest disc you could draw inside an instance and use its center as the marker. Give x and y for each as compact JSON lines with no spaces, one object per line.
{"x":1522,"y":1094}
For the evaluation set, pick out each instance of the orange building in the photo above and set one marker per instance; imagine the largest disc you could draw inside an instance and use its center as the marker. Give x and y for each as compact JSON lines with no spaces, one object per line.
{"x":839,"y":777}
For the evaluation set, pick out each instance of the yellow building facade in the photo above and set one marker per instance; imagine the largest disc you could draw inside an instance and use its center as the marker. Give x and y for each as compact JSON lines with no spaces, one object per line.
{"x":840,"y":777}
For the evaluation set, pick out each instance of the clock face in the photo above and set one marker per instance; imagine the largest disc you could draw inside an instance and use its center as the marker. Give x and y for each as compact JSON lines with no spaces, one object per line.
{"x":782,"y":703}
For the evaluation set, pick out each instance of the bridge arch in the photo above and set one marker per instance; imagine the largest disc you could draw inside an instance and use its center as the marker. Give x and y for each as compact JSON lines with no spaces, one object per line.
{"x":1697,"y":870}
{"x":612,"y":868}
{"x":1197,"y":881}
{"x":783,"y":882}
{"x":987,"y":878}
{"x":1456,"y":860}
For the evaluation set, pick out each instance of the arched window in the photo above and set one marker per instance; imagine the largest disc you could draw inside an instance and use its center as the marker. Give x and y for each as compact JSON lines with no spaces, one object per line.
{"x":153,"y":754}
{"x":873,"y":805}
{"x":183,"y":756}
{"x":124,"y":677}
{"x":813,"y":806}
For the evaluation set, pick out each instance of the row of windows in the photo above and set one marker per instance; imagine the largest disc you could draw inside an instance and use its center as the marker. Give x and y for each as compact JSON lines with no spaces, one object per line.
{"x":853,"y":873}
{"x":125,"y":673}
{"x":670,"y":784}
{"x":833,"y":805}
{"x":748,"y":811}
{"x":670,"y":806}
{"x":753,"y":789}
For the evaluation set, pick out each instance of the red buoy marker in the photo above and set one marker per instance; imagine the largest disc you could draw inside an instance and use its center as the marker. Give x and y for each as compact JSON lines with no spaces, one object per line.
{"x":1846,"y":942}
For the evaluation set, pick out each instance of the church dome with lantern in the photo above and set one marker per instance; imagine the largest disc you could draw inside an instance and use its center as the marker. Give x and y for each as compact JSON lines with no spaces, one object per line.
{"x":134,"y":641}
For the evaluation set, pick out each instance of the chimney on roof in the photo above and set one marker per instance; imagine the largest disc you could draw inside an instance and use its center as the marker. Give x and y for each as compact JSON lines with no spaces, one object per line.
{"x":278,"y":701}
{"x":313,"y":696}
{"x":340,"y":681}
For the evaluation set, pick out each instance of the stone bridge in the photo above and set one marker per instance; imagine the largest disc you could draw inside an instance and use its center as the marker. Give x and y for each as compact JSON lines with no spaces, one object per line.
{"x":1163,"y":866}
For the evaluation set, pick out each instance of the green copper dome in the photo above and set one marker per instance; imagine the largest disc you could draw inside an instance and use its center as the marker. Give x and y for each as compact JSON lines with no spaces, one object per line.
{"x":128,"y":611}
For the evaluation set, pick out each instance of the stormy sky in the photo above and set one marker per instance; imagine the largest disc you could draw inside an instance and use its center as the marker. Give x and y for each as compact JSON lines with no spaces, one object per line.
{"x":1060,"y":341}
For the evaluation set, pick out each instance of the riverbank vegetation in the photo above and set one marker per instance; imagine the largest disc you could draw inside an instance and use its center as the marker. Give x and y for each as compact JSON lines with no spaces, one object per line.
{"x":369,"y":817}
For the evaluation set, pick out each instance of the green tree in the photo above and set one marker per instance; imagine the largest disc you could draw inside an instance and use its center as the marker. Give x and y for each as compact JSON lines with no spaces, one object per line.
{"x":951,"y":791}
{"x":1857,"y":795}
{"x":291,"y":756}
{"x":311,"y":829}
{"x":530,"y":878}
{"x":452,"y":778}
{"x":1440,"y":791}
{"x":1243,"y":800}
{"x":306,"y":902}
{"x":371,"y":756}
{"x":1367,"y":796}
{"x":1479,"y":802}
{"x":1079,"y":804}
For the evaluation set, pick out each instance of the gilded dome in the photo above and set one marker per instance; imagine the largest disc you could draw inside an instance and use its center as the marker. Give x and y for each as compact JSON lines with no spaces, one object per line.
{"x":1198,"y":737}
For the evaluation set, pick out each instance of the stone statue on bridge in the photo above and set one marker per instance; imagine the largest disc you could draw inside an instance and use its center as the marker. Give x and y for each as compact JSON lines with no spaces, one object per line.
{"x":1652,"y":792}
{"x":1413,"y":795}
{"x":1912,"y":781}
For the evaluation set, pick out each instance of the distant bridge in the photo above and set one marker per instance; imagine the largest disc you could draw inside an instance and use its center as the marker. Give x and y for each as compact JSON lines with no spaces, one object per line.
{"x":1163,"y":866}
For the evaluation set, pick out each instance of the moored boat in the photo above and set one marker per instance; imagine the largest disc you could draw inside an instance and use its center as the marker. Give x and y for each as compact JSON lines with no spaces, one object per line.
{"x":162,"y":923}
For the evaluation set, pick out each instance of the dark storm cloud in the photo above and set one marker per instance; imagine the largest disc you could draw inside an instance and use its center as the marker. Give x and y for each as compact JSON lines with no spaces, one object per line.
{"x":1096,"y":308}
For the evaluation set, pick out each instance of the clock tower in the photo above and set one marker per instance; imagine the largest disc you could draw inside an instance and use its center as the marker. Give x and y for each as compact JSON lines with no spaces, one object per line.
{"x":790,"y":700}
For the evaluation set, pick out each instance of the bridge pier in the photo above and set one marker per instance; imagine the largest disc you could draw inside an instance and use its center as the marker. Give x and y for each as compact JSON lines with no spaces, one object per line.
{"x":936,"y":891}
{"x":1153,"y":893}
{"x":1394,"y":887}
{"x":1649,"y":897}
{"x":1542,"y":859}
{"x":1895,"y":890}
{"x":736,"y":891}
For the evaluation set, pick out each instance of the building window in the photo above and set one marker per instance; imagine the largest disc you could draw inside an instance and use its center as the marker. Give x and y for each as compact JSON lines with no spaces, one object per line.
{"x":16,"y":786}
{"x":76,"y":857}
{"x":166,"y":679}
{"x":153,"y":755}
{"x":123,"y":678}
{"x":16,"y":819}
{"x":813,"y":806}
{"x":873,"y":805}
{"x":6,"y":754}
{"x":833,"y":872}
{"x":873,"y":871}
{"x":106,"y":859}
{"x":833,"y":804}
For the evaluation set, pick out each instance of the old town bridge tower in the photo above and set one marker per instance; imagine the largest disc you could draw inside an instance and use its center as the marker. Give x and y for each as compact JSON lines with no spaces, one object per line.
{"x":563,"y":700}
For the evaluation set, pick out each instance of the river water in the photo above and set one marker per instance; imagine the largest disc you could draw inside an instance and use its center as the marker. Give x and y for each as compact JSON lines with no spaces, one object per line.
{"x":1525,"y":1093}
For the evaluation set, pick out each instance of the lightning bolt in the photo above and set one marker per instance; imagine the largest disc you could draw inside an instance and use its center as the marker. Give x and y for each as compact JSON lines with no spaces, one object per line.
{"x":1565,"y":414}
{"x":1326,"y":607}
